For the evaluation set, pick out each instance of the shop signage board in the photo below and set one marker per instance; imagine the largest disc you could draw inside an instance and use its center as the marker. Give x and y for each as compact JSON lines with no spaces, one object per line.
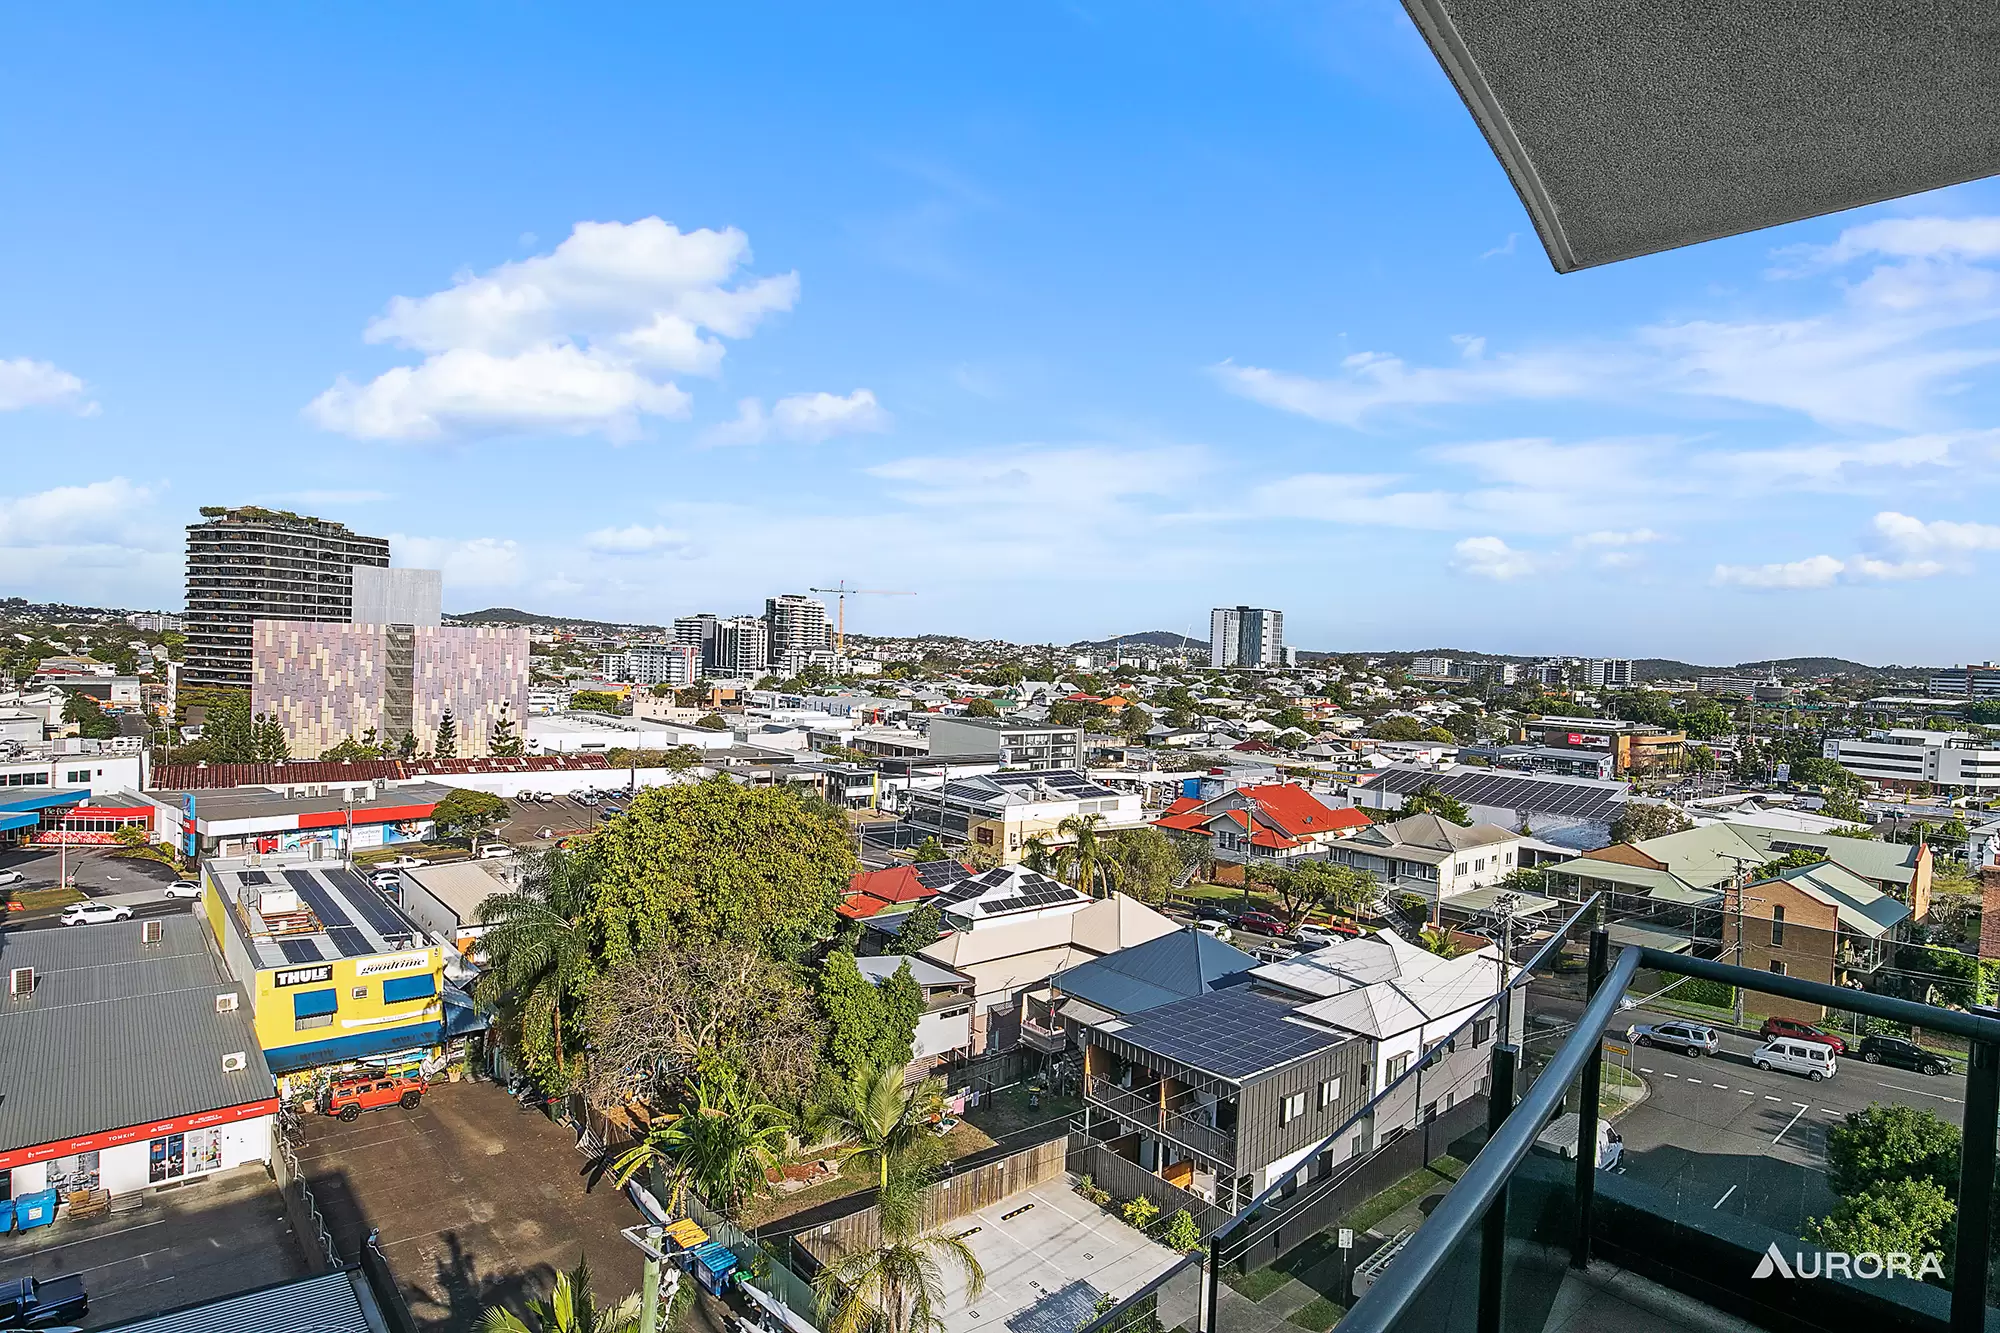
{"x":395,"y":962}
{"x":303,"y":976}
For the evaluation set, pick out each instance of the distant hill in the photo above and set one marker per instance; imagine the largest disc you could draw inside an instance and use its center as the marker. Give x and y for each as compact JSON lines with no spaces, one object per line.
{"x":1152,"y":638}
{"x":507,"y":615}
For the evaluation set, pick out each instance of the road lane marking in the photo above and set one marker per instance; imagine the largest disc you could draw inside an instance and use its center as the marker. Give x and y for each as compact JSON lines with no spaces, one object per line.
{"x":1746,"y":1092}
{"x":1673,"y":1075}
{"x":1724,"y":1199}
{"x":1803,"y":1108}
{"x":1723,"y":1086}
{"x":1769,"y":1098}
{"x":1644,"y":1070}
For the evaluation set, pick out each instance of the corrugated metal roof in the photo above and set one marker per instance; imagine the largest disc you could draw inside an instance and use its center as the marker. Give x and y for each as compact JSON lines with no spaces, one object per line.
{"x":119,"y":1032}
{"x":330,"y":1303}
{"x":1157,"y":972}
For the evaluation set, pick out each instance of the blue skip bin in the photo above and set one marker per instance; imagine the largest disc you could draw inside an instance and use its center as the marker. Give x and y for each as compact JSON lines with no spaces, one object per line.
{"x":35,"y":1210}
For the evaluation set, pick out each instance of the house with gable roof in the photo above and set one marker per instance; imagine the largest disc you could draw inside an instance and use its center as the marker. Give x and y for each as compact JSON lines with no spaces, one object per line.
{"x":1267,"y":823}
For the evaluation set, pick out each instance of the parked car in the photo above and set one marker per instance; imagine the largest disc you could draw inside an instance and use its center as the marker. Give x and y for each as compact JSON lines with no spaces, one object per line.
{"x":1317,"y":933}
{"x":385,"y":879}
{"x":30,"y":1302}
{"x":1905,"y":1054}
{"x":402,"y":863}
{"x":1814,"y":1059}
{"x":1261,"y":923}
{"x":348,"y":1096}
{"x":494,"y":850}
{"x":185,"y":888}
{"x":1790,"y":1027}
{"x":93,"y":914}
{"x":9,"y":877}
{"x":1208,"y":925}
{"x":611,"y":811}
{"x":1690,"y":1039}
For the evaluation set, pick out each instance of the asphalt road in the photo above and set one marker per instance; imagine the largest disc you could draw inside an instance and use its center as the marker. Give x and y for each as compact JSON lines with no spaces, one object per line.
{"x":134,"y":883}
{"x":1719,"y":1134}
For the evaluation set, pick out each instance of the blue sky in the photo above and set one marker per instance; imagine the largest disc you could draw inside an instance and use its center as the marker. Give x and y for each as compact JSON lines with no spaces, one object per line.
{"x":1073,"y":322}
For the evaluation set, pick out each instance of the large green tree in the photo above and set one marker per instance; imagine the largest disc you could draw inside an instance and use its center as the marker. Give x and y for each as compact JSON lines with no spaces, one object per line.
{"x":467,"y":814}
{"x":1914,"y":1217}
{"x":1149,"y":862}
{"x":720,"y":1144}
{"x":596,"y":701}
{"x":867,"y":1026}
{"x":1888,"y":1143}
{"x":923,"y":927}
{"x":714,"y":861}
{"x":1639,"y":820}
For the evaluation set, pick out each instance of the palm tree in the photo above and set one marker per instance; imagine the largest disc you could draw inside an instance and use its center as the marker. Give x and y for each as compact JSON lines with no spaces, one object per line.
{"x":880,"y":1117}
{"x":571,"y":1308}
{"x":539,"y":952}
{"x":723,"y":1145}
{"x":1083,"y":858}
{"x":897,"y":1286}
{"x":1440,"y":941}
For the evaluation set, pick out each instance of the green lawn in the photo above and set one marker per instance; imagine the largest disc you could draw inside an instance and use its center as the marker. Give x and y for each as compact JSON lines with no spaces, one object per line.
{"x":1440,"y":1174}
{"x":1259,"y":1284}
{"x":1318,"y":1314}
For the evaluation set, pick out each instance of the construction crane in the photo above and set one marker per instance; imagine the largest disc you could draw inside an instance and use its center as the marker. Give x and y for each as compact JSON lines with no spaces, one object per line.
{"x":841,"y":593}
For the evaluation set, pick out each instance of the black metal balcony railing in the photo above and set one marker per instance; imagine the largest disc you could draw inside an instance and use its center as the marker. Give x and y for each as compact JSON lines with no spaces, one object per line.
{"x":1479,"y":1264}
{"x":1143,"y":1108}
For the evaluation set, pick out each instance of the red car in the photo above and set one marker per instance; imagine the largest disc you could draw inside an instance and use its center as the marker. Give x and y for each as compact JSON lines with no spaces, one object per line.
{"x":1788,"y":1027}
{"x":351,"y":1094}
{"x":1262,"y":923}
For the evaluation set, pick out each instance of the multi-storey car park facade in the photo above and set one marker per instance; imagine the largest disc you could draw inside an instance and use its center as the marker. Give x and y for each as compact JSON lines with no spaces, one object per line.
{"x":249,"y":564}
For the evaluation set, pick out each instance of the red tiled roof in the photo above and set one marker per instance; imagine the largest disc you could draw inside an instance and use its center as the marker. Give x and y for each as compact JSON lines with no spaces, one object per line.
{"x":205,"y":777}
{"x":1298,"y":812}
{"x":874,"y":891}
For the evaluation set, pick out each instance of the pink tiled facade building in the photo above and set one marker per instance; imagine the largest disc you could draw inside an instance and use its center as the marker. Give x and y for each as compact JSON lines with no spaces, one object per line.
{"x":327,"y":683}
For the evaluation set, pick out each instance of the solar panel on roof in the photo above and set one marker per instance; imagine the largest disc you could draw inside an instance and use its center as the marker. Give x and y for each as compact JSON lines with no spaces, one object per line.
{"x":351,"y":942}
{"x":316,"y":897}
{"x":371,"y":905}
{"x":300,"y":951}
{"x":253,"y":877}
{"x":937,"y":874}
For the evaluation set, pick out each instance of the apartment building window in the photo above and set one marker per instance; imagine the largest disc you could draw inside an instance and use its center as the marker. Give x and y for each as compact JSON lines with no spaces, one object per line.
{"x":1398,"y":1066}
{"x":1479,"y":865}
{"x":1777,"y":968}
{"x":1459,"y":868}
{"x":1291,"y":1108}
{"x":985,"y":836}
{"x":1329,"y":1093}
{"x":1482,"y":1031}
{"x":1777,"y":926}
{"x":78,"y":775}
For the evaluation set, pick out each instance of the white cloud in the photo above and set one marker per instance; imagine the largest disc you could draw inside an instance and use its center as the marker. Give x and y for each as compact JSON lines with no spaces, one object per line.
{"x":637,"y":539}
{"x":572,"y":341}
{"x":1371,"y":382}
{"x":1817,"y":571}
{"x":807,"y":417}
{"x":478,"y":562}
{"x":1491,"y":558}
{"x":25,"y":383}
{"x":1910,"y":238}
{"x":1636,"y":537}
{"x":1914,"y":537}
{"x":97,"y":513}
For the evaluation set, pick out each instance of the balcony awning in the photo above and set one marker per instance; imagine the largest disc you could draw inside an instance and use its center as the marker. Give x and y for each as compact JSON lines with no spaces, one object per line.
{"x":1630,"y":127}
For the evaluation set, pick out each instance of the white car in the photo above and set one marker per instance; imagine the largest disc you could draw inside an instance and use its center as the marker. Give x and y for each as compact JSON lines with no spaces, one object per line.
{"x":186,"y":888}
{"x":92,"y":914}
{"x":494,"y":851}
{"x":385,"y":879}
{"x":402,"y":863}
{"x":11,"y":877}
{"x":1209,"y":926}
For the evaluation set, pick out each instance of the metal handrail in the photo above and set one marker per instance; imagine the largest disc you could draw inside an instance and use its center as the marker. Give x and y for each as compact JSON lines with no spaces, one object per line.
{"x":1459,"y":1215}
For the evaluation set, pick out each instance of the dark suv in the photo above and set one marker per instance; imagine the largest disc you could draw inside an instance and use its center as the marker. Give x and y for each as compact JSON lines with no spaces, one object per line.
{"x":1690,"y":1039}
{"x":1904,"y":1052}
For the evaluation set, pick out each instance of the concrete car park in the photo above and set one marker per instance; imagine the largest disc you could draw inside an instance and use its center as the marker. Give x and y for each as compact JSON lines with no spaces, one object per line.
{"x":201,"y":1242}
{"x":477,"y":1201}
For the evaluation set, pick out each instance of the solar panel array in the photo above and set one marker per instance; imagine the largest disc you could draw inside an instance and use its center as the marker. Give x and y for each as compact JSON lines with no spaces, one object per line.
{"x":1511,"y":791}
{"x":1016,"y":890}
{"x":255,"y":878}
{"x":1232,"y":1034}
{"x":300,"y":951}
{"x":939,"y":874}
{"x":1065,"y":780}
{"x":388,"y":923}
{"x":351,"y":942}
{"x":316,"y":897}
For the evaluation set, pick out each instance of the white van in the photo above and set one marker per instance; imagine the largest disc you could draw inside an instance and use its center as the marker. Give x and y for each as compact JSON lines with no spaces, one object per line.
{"x":1560,"y":1138}
{"x":1813,"y":1059}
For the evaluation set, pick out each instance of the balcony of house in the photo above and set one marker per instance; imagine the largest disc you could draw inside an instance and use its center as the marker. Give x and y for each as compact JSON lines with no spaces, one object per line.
{"x":1862,"y":956}
{"x":1205,"y":1127}
{"x":1041,"y":1026}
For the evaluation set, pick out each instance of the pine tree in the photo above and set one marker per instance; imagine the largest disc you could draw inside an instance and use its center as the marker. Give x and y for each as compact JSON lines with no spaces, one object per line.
{"x":407,"y":747}
{"x":506,"y":742}
{"x":267,"y":739}
{"x":445,"y":744}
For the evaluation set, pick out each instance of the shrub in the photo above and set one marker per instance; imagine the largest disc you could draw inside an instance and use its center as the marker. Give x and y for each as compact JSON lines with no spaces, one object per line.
{"x":1700,"y":990}
{"x":1181,"y":1232}
{"x":1139,"y":1212}
{"x":1089,"y":1189}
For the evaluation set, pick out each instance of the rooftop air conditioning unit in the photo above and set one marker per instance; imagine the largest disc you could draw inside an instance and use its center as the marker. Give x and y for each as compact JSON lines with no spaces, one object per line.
{"x":21,"y":981}
{"x":225,"y":1003}
{"x":150,"y":931}
{"x":234,"y":1061}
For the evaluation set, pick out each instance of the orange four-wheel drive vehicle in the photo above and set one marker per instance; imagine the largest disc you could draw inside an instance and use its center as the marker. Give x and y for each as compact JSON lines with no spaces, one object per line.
{"x":351,"y":1094}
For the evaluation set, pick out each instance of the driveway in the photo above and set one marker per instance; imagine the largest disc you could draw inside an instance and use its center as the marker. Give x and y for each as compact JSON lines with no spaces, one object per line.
{"x":478,"y":1202}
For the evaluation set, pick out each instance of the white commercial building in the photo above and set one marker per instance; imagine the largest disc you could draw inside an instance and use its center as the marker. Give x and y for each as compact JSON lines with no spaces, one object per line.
{"x":1904,"y":758}
{"x":675,"y":664}
{"x":1610,"y":673}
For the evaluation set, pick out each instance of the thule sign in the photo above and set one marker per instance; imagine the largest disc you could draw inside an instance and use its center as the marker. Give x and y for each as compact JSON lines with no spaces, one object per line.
{"x":303,"y":976}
